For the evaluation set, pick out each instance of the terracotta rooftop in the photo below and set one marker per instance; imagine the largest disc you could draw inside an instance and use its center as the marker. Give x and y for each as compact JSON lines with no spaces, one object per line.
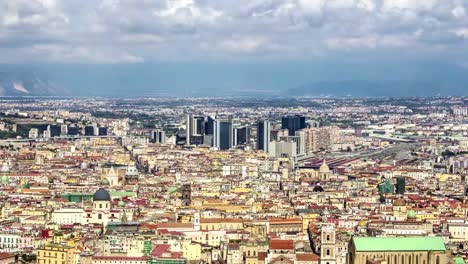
{"x":6,"y":255}
{"x":307,"y":257}
{"x":279,"y":244}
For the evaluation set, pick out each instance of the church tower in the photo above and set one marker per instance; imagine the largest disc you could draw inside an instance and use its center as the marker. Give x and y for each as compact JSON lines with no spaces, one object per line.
{"x":328,"y":244}
{"x":186,"y":194}
{"x":324,"y":171}
{"x":113,"y":177}
{"x":196,"y":221}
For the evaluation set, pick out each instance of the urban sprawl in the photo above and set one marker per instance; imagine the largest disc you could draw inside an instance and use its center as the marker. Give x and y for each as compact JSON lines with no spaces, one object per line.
{"x":234,"y":180}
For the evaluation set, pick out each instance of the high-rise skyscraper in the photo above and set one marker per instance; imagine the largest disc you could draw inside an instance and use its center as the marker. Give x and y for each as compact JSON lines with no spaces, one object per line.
{"x":73,"y":131}
{"x":293,"y":123}
{"x":195,"y":129}
{"x":223,"y":137}
{"x":263,"y":135}
{"x":240,"y":136}
{"x":55,"y":130}
{"x":158,"y":136}
{"x":316,"y":139}
{"x":209,"y":126}
{"x":102,"y":131}
{"x":89,"y":131}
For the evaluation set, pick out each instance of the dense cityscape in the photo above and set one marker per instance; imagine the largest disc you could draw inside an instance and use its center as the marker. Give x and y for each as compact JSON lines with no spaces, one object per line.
{"x":234,"y":180}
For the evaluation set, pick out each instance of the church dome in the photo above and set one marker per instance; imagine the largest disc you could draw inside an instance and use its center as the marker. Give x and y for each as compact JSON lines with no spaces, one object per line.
{"x":4,"y":179}
{"x":101,"y":195}
{"x":399,"y":202}
{"x":318,"y":188}
{"x":104,"y":181}
{"x":411,"y":214}
{"x":362,"y":223}
{"x":324,"y":168}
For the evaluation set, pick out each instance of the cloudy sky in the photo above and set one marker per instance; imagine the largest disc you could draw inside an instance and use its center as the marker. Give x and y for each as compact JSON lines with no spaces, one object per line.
{"x":136,"y":31}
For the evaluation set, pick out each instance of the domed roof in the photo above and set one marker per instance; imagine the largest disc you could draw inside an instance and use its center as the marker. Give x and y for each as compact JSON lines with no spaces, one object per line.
{"x":362,"y":223}
{"x":4,"y":179}
{"x":411,"y":214}
{"x":399,"y":202}
{"x":101,"y":195}
{"x":318,"y":188}
{"x":104,"y":181}
{"x":324,"y":167}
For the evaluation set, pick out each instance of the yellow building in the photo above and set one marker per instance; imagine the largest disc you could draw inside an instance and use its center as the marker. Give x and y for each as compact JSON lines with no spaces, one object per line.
{"x":225,"y":206}
{"x":306,"y":220}
{"x":251,"y":249}
{"x":221,"y":224}
{"x":191,"y":251}
{"x":443,"y":177}
{"x":55,"y":254}
{"x":423,"y":215}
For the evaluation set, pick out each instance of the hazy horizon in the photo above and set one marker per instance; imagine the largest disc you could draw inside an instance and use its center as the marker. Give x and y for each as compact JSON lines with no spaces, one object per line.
{"x":261,"y":78}
{"x":261,"y":47}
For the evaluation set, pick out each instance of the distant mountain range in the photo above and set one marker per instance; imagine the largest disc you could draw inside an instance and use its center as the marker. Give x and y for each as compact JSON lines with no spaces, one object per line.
{"x":224,"y":80}
{"x":362,"y":88}
{"x":27,"y":83}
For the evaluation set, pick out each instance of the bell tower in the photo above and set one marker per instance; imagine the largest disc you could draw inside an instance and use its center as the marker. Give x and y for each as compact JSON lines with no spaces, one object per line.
{"x":186,"y":195}
{"x":196,"y":220}
{"x":328,"y":244}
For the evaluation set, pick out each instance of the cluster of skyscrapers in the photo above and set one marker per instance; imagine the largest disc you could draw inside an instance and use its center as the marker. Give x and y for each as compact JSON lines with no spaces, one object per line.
{"x":222,"y":133}
{"x":66,"y":130}
{"x":218,"y":132}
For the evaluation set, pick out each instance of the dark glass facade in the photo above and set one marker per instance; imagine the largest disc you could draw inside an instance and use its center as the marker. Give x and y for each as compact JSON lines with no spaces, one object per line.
{"x":401,"y":185}
{"x":102,"y":131}
{"x":89,"y":131}
{"x":209,"y":126}
{"x":225,"y":135}
{"x":261,"y":135}
{"x":200,"y":128}
{"x":55,"y":130}
{"x":293,"y":123}
{"x":73,"y":131}
{"x":241,"y":136}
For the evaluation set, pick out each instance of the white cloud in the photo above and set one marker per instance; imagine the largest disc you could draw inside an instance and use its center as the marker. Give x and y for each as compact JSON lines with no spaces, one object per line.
{"x":461,"y":32}
{"x":243,"y":45}
{"x":187,"y":12}
{"x":141,"y":38}
{"x":352,"y":43}
{"x":409,"y":4}
{"x":458,"y":12}
{"x":139,"y":30}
